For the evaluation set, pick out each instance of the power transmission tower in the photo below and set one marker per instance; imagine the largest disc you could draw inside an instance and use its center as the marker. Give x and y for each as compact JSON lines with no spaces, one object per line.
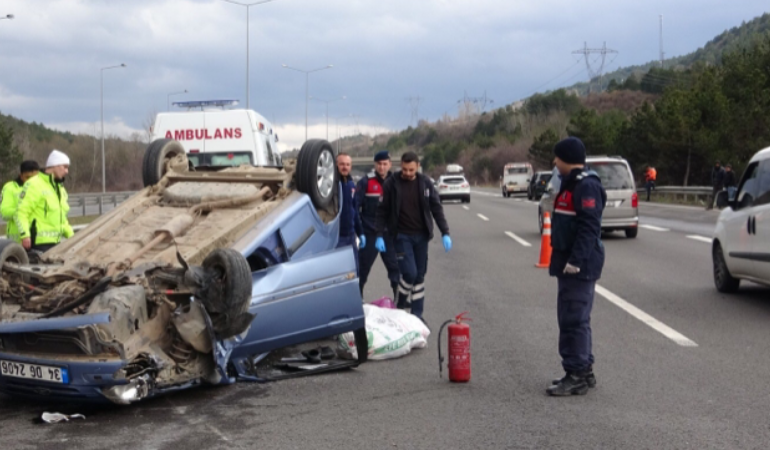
{"x":469,"y":106}
{"x":592,"y":72}
{"x":414,"y":105}
{"x":661,"y":41}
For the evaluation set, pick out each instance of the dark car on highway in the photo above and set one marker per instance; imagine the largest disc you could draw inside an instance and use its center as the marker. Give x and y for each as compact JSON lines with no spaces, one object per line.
{"x":537,"y":185}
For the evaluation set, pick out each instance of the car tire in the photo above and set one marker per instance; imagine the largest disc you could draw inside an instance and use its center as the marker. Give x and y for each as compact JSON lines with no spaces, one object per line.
{"x":631,"y":233}
{"x":723,"y":280}
{"x":12,"y":252}
{"x":227,"y":294}
{"x":317,"y":172}
{"x":157,"y":155}
{"x":468,"y":199}
{"x":540,"y":220}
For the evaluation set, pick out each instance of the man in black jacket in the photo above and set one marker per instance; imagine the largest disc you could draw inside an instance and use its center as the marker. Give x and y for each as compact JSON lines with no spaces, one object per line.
{"x":409,"y":206}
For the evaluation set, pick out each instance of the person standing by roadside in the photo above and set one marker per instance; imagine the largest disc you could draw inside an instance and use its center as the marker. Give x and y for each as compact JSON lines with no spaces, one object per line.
{"x":350,"y":222}
{"x":10,"y":197}
{"x":409,"y":206}
{"x":368,"y":198}
{"x":41,"y":216}
{"x":717,"y":183}
{"x":576,"y":262}
{"x":731,"y":184}
{"x":650,"y":175}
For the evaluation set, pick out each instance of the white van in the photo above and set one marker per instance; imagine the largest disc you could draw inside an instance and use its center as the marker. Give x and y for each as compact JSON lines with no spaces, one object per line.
{"x":213,"y":136}
{"x":516,"y":177}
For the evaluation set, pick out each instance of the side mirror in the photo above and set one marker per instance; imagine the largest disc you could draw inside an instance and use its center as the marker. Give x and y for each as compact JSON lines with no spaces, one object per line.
{"x":723,"y":200}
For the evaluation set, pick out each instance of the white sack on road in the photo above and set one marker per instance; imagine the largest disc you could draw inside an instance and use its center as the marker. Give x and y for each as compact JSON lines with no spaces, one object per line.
{"x":392,"y":333}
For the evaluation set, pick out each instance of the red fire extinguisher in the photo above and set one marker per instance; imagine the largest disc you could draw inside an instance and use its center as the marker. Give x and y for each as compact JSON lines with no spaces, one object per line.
{"x":459,"y":349}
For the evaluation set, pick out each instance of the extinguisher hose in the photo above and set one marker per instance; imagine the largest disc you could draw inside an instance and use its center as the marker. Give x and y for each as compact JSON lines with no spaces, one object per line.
{"x":441,"y":358}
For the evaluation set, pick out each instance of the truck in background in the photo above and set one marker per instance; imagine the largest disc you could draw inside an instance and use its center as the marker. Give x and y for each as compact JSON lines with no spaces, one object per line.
{"x":515,"y":179}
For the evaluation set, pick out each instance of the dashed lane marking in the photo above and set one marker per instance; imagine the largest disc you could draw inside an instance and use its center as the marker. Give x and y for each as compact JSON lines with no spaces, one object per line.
{"x":654,"y":228}
{"x":647,"y":319}
{"x":518,"y":239}
{"x":483,"y":217}
{"x":695,"y":237}
{"x":466,"y":208}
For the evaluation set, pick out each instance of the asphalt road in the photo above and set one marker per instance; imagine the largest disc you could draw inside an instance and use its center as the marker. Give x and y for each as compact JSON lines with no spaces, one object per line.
{"x":679,"y":366}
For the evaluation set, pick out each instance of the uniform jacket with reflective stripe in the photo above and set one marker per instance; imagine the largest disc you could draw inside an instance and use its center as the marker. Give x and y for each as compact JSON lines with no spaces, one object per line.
{"x":577,"y":226}
{"x":10,"y":201}
{"x":368,"y":198}
{"x":42,"y":211}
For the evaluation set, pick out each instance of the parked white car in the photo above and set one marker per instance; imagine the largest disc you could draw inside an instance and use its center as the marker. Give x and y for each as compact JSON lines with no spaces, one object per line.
{"x":741,"y":247}
{"x":454,"y":187}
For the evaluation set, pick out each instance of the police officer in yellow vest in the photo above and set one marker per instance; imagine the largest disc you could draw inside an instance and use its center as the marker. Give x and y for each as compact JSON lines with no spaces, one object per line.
{"x":41,"y":216}
{"x":10,"y":197}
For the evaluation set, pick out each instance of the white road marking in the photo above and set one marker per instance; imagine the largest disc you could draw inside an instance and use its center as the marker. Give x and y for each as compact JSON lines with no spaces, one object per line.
{"x":518,"y":239}
{"x":483,"y":217}
{"x":466,"y":208}
{"x":654,"y":228}
{"x":518,"y":200}
{"x":695,"y":237}
{"x":647,"y":319}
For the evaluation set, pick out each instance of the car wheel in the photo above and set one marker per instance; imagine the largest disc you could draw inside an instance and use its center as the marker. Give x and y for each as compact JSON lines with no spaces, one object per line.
{"x":317,"y":172}
{"x":468,"y":199}
{"x":632,"y":232}
{"x":723,"y":281}
{"x":529,"y":194}
{"x":12,"y":252}
{"x":227,"y":292}
{"x":157,"y":157}
{"x":540,"y":220}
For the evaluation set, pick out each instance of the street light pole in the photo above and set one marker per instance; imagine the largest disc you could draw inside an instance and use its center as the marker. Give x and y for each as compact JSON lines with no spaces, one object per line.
{"x":307,"y":86}
{"x":168,"y":98}
{"x":101,"y":97}
{"x":247,"y":5}
{"x":327,"y":111}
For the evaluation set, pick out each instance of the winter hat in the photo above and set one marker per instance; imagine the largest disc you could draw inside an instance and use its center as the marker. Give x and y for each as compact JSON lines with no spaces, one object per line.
{"x":57,"y":158}
{"x":381,"y":156}
{"x":570,"y":150}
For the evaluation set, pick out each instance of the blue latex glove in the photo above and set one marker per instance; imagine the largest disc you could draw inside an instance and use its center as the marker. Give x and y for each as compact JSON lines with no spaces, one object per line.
{"x":447,"y":242}
{"x":361,"y":241}
{"x":379,"y":244}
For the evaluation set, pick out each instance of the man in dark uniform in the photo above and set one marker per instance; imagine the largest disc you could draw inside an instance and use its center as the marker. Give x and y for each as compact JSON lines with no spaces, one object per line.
{"x":409,"y":206}
{"x":350,"y":223}
{"x":576,"y":262}
{"x":368,"y":198}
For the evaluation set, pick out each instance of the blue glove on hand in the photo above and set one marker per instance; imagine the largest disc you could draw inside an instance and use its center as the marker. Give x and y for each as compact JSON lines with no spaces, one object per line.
{"x":379,"y":244}
{"x":361,"y":241}
{"x":447,"y":242}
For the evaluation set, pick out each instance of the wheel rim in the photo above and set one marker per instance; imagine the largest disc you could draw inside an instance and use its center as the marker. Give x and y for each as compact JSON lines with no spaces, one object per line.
{"x":325,"y":173}
{"x":719,"y":266}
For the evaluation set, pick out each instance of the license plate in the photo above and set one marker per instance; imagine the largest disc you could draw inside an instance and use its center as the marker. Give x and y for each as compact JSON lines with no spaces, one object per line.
{"x":454,"y":188}
{"x":33,"y":372}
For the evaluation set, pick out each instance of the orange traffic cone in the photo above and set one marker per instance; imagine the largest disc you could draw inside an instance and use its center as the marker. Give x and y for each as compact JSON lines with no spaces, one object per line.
{"x":545,"y":243}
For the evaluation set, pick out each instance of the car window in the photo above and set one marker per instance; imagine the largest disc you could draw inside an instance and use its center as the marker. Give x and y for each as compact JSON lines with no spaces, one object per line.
{"x":747,"y":191}
{"x":555,"y":180}
{"x":516,"y":170}
{"x":270,"y":156}
{"x":763,"y":184}
{"x":453,"y":180}
{"x":544,"y":177}
{"x":614,"y":175}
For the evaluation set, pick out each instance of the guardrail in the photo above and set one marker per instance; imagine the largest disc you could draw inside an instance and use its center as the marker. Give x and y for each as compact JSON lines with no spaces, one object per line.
{"x":684,"y":193}
{"x":96,"y":203}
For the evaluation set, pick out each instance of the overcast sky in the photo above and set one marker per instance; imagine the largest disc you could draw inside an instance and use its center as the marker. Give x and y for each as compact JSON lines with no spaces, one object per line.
{"x":383,"y":52}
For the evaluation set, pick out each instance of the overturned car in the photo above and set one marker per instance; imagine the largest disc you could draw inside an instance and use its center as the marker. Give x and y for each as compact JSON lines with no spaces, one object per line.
{"x":192,"y":280}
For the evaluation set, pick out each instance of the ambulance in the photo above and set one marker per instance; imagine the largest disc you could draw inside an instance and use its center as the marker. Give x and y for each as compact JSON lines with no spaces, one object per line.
{"x":214,"y":136}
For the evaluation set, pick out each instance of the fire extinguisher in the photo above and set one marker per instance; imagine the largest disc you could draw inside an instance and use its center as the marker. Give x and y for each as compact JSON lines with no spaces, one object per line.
{"x":459,"y":349}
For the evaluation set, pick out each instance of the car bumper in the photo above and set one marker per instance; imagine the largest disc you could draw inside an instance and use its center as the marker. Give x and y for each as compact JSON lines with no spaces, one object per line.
{"x":511,"y":189}
{"x":616,"y":224}
{"x":86,"y":379}
{"x":454,"y":195}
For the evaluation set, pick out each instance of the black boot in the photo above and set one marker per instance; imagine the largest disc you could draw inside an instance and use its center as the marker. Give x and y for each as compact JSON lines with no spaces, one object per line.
{"x":571,"y":384}
{"x":590,"y":379}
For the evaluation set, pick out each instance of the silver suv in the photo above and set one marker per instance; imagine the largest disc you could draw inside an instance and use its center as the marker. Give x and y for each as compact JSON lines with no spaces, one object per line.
{"x":622,"y":210}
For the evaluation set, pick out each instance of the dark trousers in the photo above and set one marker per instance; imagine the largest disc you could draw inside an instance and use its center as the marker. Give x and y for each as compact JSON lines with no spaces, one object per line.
{"x":344,"y":241}
{"x":650,"y":185}
{"x":714,"y":192}
{"x":368,"y":255}
{"x":574,"y":304}
{"x":412,"y":256}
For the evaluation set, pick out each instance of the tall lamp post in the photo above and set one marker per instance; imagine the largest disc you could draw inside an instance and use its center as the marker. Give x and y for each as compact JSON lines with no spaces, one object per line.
{"x":168,"y":98}
{"x":307,"y":84}
{"x":101,"y":95}
{"x":8,"y":16}
{"x":327,"y":111}
{"x":247,"y":5}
